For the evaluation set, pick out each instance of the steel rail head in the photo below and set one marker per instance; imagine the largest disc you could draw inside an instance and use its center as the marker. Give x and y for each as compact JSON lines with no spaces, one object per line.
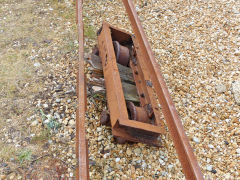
{"x":185,"y":153}
{"x":82,"y":170}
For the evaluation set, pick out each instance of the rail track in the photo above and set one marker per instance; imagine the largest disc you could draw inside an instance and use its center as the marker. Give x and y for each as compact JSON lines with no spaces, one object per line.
{"x":118,"y":111}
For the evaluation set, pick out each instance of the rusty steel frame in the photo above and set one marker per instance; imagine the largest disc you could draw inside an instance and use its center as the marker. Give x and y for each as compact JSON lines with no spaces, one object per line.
{"x":185,"y":153}
{"x":82,"y":170}
{"x":122,"y":126}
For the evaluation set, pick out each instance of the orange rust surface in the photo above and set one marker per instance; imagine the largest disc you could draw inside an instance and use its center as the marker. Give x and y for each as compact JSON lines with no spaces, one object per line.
{"x":82,"y":170}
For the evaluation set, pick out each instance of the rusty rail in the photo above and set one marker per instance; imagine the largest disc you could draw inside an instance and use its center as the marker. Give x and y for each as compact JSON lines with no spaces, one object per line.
{"x":82,"y":170}
{"x":185,"y":153}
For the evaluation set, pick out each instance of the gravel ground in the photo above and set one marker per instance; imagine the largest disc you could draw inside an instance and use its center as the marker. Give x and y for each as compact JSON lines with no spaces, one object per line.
{"x":38,"y":58}
{"x":197,"y":46}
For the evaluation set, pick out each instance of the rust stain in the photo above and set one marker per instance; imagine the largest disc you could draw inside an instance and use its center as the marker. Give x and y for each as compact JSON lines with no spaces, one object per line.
{"x":82,"y":170}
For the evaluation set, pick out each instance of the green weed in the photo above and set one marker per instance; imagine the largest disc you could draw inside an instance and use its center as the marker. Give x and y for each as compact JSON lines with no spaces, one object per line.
{"x":25,"y":156}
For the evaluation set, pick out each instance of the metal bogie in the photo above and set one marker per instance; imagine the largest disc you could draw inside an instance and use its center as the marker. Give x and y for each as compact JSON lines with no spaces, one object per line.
{"x":138,"y":124}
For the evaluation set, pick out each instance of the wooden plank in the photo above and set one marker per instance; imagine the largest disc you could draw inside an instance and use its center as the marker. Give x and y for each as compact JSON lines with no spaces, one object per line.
{"x":129,"y":90}
{"x":125,"y":72}
{"x":96,"y":82}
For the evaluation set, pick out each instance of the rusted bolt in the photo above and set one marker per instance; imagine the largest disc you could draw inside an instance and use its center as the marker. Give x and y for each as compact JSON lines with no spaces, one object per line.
{"x":149,"y":109}
{"x":136,"y":72}
{"x":149,"y":83}
{"x":142,"y":95}
{"x":134,"y":61}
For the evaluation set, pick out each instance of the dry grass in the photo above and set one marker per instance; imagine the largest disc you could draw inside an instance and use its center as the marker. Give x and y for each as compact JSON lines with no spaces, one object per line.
{"x":7,"y":152}
{"x":30,"y":31}
{"x":19,"y":83}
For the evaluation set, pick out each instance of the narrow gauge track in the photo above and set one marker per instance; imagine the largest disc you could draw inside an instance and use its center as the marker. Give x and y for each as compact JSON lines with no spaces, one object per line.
{"x":185,"y":153}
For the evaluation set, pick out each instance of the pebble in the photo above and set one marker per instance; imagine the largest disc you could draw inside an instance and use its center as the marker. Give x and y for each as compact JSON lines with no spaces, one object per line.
{"x":221,"y":88}
{"x":37,"y":64}
{"x":99,"y":129}
{"x":12,"y":177}
{"x":100,"y":138}
{"x":9,"y":120}
{"x":34,"y":123}
{"x":58,"y":100}
{"x":161,"y":162}
{"x":210,"y":146}
{"x":137,"y":151}
{"x":117,"y":159}
{"x":196,"y":140}
{"x":213,"y":171}
{"x":236,"y":91}
{"x":144,"y":165}
{"x":129,"y":152}
{"x":45,"y":106}
{"x":238,"y":150}
{"x":209,"y":168}
{"x":226,"y":142}
{"x":72,"y":122}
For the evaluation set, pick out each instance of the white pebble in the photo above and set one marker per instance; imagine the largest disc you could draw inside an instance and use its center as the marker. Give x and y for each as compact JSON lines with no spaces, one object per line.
{"x":99,"y":129}
{"x":238,"y":150}
{"x":209,"y":167}
{"x":196,"y":140}
{"x":117,"y":159}
{"x":100,"y":138}
{"x":221,"y":88}
{"x":34,"y":123}
{"x":37,"y":64}
{"x":45,"y":105}
{"x":144,"y":165}
{"x":210,"y":146}
{"x":161,"y":162}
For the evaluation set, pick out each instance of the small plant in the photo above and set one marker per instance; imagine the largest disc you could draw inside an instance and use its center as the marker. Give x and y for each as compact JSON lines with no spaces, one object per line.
{"x":44,"y":117}
{"x":53,"y":124}
{"x":89,"y":32}
{"x":25,"y":156}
